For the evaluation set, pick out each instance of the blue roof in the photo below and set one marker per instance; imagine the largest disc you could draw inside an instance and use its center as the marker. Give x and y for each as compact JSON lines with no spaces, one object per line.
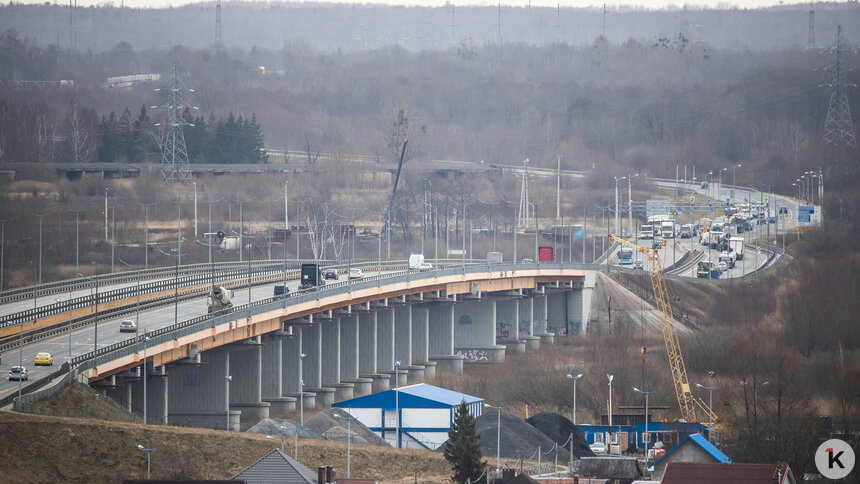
{"x":703,"y":443}
{"x":420,"y":395}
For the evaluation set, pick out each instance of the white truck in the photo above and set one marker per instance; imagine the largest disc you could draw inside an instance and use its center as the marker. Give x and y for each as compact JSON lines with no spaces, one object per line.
{"x":667,"y":229}
{"x":417,"y":263}
{"x":646,"y":231}
{"x":736,"y":246}
{"x":219,"y":299}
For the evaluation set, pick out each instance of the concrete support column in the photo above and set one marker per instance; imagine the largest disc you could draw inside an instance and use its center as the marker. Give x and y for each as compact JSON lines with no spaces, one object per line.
{"x":411,"y":372}
{"x":273,"y":375}
{"x":475,"y":330}
{"x":556,"y":312}
{"x":246,"y":389}
{"x":368,"y":355}
{"x":350,"y":351}
{"x":198,"y":393}
{"x":508,"y":325}
{"x":164,"y":404}
{"x":421,"y":339}
{"x":527,"y":324}
{"x":539,"y":304}
{"x":441,"y":339}
{"x":574,"y":312}
{"x":312,"y":365}
{"x":292,"y":347}
{"x":587,"y":294}
{"x":331,"y":357}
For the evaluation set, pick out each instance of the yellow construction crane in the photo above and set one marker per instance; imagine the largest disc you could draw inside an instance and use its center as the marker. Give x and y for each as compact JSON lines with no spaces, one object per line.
{"x":688,"y":403}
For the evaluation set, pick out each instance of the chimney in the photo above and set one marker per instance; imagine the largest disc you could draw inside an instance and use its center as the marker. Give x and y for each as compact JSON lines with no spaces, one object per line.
{"x":321,"y":475}
{"x":329,"y":474}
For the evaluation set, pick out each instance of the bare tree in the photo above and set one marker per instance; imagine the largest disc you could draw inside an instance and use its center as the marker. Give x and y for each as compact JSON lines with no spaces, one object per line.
{"x":81,"y":140}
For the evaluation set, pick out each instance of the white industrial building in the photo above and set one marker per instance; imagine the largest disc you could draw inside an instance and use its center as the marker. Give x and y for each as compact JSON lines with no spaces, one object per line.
{"x":424,"y":413}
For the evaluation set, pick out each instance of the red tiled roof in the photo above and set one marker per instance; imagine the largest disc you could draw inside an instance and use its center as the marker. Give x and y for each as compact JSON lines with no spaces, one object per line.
{"x":691,"y":473}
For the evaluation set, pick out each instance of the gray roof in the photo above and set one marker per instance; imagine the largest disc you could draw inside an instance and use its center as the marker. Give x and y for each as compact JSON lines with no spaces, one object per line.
{"x":277,"y":467}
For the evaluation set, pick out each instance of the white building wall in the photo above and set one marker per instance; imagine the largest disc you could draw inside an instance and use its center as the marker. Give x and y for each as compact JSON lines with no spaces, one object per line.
{"x":370,"y":417}
{"x":426,"y":418}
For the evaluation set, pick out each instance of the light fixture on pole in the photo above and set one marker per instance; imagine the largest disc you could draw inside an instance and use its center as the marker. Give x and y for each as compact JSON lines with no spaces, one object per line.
{"x":282,"y":430}
{"x":617,"y":212}
{"x":227,"y":380}
{"x":397,"y":403}
{"x":647,"y":438}
{"x":349,"y":418}
{"x":301,"y":391}
{"x":630,"y":201}
{"x":710,"y":403}
{"x":498,"y":408}
{"x":149,"y":450}
{"x":575,"y":379}
{"x":610,"y":377}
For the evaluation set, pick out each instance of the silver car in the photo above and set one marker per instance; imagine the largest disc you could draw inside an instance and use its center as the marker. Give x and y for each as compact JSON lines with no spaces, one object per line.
{"x":18,"y":373}
{"x":128,"y":325}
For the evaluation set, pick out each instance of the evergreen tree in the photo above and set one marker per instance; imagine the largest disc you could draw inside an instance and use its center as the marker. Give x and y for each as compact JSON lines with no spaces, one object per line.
{"x":463,"y":449}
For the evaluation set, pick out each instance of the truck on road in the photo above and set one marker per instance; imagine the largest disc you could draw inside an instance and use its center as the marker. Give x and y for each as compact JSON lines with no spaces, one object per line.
{"x":707,"y":270}
{"x":417,"y":263}
{"x":646,"y":231}
{"x":736,"y":246}
{"x":310,"y":275}
{"x":219,"y":299}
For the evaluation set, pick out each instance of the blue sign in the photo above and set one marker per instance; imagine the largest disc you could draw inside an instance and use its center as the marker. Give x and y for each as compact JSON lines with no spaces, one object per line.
{"x":711,"y":209}
{"x":578,"y":235}
{"x":728,"y":201}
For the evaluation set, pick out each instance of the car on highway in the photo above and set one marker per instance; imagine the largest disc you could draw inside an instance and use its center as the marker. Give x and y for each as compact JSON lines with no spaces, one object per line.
{"x":128,"y":326}
{"x":18,"y":373}
{"x":528,"y":261}
{"x":43,"y":358}
{"x":281,"y":290}
{"x":598,"y":447}
{"x":638,"y":265}
{"x":425,"y":266}
{"x":355,"y":273}
{"x":330,"y":274}
{"x":723,"y":266}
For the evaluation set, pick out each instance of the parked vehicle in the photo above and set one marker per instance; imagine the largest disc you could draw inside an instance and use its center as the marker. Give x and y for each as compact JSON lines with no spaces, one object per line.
{"x":598,"y":447}
{"x":18,"y":373}
{"x":310,"y":275}
{"x":128,"y":325}
{"x":43,"y":358}
{"x":355,"y":273}
{"x":219,"y":299}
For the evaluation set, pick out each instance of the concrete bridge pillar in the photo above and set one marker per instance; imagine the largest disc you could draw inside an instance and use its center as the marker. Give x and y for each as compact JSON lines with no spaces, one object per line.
{"x":441,"y":338}
{"x":540,"y":323}
{"x":527,"y":324}
{"x":368,"y":355}
{"x":246,"y":389}
{"x":587,"y":293}
{"x":312,"y":365}
{"x":421,"y":339}
{"x":331,"y":356}
{"x":508,"y":325}
{"x":350,"y":351}
{"x":412,"y":372}
{"x":273,"y":375}
{"x":475,"y":331}
{"x":199,"y":395}
{"x":291,"y":384}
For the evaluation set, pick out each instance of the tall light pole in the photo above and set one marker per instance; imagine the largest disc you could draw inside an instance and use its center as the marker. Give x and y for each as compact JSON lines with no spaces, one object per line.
{"x":733,"y":173}
{"x":720,"y":193}
{"x":397,"y":403}
{"x":630,"y":201}
{"x":149,"y":450}
{"x":617,"y":212}
{"x":227,"y":380}
{"x":498,"y":408}
{"x":282,"y":430}
{"x":610,"y":377}
{"x":710,"y":403}
{"x":349,"y":418}
{"x":301,"y":391}
{"x":647,"y":438}
{"x":575,"y":379}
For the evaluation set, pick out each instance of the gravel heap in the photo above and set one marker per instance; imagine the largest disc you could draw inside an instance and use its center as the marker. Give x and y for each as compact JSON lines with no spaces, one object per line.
{"x":559,"y":428}
{"x":518,"y":439}
{"x":272,"y":426}
{"x":334,"y":428}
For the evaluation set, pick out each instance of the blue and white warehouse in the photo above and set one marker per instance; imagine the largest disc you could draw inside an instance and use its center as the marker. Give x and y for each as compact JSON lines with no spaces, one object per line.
{"x":422,"y":413}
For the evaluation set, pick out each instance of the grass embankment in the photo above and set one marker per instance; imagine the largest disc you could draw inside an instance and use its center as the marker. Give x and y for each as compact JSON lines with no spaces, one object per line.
{"x":37,"y":449}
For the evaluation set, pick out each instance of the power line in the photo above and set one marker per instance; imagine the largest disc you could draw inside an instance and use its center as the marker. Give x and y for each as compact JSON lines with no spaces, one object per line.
{"x":174,"y":155}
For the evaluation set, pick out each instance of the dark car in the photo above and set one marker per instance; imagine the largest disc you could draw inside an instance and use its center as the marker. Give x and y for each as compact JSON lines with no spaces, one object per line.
{"x":281,"y":290}
{"x":330,"y":274}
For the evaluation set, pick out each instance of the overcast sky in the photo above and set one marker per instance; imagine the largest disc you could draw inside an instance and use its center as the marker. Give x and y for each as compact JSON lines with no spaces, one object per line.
{"x":645,"y":4}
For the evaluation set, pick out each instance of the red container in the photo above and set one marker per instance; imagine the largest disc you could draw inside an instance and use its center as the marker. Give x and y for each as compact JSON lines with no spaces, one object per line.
{"x":545,"y":254}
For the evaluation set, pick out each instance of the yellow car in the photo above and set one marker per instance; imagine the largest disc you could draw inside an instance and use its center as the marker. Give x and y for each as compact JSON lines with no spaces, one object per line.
{"x":43,"y":358}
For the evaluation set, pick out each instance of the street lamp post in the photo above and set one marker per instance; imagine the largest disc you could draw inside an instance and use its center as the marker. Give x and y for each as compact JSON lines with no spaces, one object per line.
{"x":630,"y":201}
{"x":349,"y":418}
{"x":498,"y":408}
{"x":397,"y":403}
{"x":282,"y":430}
{"x":149,"y":450}
{"x":575,"y":379}
{"x":710,"y":403}
{"x":610,"y":377}
{"x":227,"y":380}
{"x":617,"y":212}
{"x":647,"y":437}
